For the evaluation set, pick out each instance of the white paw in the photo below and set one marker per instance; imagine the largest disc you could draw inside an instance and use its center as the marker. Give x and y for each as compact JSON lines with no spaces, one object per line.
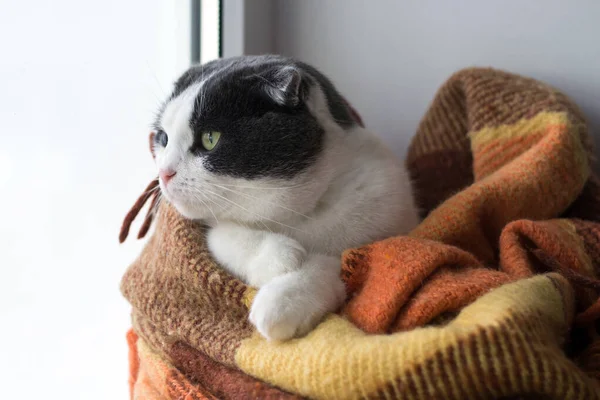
{"x":276,"y":256}
{"x":256,"y":257}
{"x":293,"y":304}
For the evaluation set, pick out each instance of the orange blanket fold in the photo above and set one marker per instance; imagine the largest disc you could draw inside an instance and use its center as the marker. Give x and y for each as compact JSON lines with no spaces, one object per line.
{"x":530,"y":156}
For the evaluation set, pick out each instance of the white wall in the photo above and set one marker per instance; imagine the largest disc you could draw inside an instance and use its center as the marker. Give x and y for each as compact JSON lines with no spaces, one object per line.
{"x":388,"y":56}
{"x":79,"y":82}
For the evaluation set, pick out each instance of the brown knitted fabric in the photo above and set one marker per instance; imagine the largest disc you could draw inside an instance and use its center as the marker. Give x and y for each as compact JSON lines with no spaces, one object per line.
{"x":440,"y":160}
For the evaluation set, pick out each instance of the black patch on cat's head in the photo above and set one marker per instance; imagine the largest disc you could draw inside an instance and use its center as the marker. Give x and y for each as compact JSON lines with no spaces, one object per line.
{"x":258,"y":105}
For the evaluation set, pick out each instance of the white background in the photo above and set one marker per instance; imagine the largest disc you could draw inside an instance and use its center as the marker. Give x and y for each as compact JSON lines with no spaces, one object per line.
{"x":79,"y":82}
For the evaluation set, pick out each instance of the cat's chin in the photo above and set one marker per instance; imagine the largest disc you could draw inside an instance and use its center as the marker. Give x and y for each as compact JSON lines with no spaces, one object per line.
{"x":188,"y":212}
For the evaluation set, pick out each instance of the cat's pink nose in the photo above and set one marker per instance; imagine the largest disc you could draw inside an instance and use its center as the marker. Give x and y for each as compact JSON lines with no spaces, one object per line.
{"x":166,"y":175}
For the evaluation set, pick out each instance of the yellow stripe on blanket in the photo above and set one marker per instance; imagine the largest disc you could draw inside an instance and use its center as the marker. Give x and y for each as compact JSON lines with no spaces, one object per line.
{"x":499,"y":336}
{"x":496,"y":146}
{"x":523,"y":127}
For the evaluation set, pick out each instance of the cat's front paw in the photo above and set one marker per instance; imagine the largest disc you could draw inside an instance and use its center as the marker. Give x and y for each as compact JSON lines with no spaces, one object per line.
{"x":276,"y":256}
{"x":293,"y":304}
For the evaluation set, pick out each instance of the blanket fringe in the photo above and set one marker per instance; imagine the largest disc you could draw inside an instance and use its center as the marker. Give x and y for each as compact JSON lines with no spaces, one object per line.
{"x":152,"y":190}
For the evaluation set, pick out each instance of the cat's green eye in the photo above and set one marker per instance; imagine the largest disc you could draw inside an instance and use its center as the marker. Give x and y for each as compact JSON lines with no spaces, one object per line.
{"x":210,"y":139}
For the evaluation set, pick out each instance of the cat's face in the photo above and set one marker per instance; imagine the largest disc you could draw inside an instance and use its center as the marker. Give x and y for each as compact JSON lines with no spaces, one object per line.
{"x":241,"y":138}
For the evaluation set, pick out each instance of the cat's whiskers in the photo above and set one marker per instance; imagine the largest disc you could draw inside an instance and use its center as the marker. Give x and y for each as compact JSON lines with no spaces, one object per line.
{"x":266,"y":226}
{"x":223,"y":207}
{"x":234,"y":203}
{"x":264,"y":188}
{"x":155,"y":188}
{"x":200,"y":199}
{"x":157,"y":203}
{"x":244,"y":224}
{"x":253,"y":213}
{"x":249,"y":196}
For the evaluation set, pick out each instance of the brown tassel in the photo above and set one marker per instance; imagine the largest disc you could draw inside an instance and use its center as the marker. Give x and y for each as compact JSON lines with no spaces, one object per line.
{"x":135,"y":210}
{"x":149,"y":216}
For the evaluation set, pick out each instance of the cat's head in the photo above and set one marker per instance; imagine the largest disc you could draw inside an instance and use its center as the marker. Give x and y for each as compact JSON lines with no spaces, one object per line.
{"x":248,"y":139}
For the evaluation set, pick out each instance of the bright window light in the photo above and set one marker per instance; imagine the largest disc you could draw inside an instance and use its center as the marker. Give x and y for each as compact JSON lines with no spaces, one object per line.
{"x":209,"y":30}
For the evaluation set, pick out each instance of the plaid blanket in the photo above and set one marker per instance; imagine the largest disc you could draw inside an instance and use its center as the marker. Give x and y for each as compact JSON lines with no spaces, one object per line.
{"x":493,"y":295}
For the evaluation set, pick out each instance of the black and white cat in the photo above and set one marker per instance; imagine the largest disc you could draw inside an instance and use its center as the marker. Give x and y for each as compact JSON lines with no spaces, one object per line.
{"x":266,"y":152}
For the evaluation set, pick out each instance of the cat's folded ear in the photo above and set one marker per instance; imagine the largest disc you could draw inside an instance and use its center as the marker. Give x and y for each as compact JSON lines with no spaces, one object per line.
{"x":287,"y":86}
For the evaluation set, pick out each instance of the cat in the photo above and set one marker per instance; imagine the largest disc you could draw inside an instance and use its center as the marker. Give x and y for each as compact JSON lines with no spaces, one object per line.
{"x":266,"y":152}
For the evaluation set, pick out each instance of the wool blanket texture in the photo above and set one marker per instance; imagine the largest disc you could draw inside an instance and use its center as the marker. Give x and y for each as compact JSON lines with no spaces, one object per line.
{"x":493,"y":295}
